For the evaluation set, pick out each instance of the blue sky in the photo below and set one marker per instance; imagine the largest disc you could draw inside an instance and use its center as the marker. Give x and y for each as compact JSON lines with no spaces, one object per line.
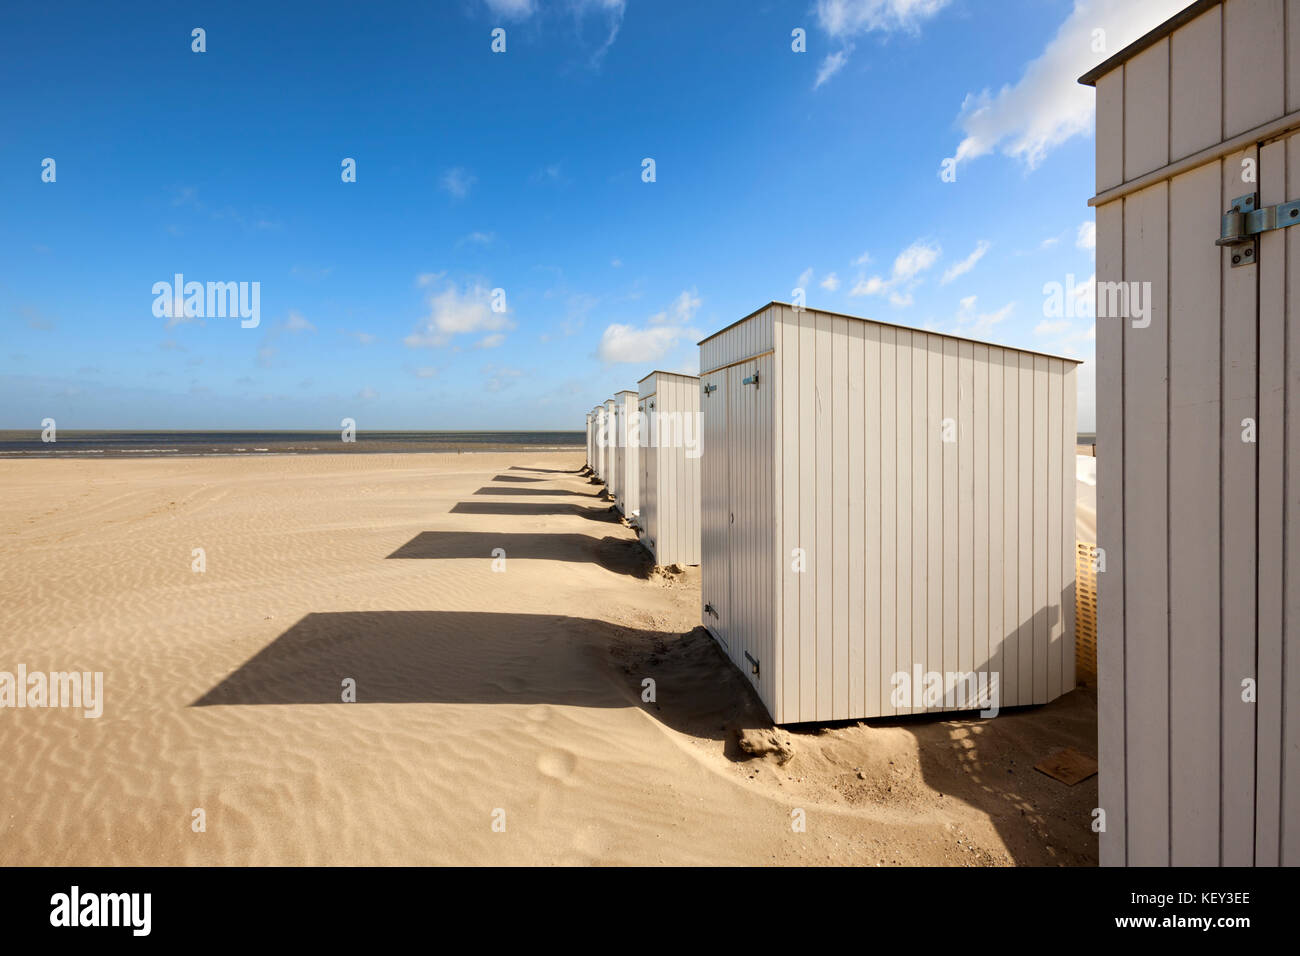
{"x":520,"y":171}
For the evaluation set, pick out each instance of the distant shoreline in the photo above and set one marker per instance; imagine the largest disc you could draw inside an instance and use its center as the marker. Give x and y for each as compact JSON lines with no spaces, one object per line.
{"x":140,"y":444}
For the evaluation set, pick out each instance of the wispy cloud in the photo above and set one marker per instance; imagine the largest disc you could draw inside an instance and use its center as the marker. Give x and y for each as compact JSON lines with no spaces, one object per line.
{"x":842,"y":20}
{"x":966,"y":265}
{"x":457,"y":181}
{"x":905,"y":276}
{"x":1047,"y":106}
{"x":455,"y":311}
{"x":640,"y":344}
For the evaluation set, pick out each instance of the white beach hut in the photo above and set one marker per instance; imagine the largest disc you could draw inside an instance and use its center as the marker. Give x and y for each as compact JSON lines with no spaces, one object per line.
{"x":627,"y":445}
{"x":591,"y":450}
{"x":882,"y":507}
{"x":608,"y":472}
{"x":670,"y":467}
{"x":1198,"y":174}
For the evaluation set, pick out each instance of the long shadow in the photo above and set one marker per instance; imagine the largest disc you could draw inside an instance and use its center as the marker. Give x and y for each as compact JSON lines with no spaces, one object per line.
{"x":542,"y":492}
{"x":620,"y":555}
{"x":549,"y":471}
{"x":989,"y":764}
{"x":531,"y":508}
{"x":459,"y":657}
{"x":518,"y":478}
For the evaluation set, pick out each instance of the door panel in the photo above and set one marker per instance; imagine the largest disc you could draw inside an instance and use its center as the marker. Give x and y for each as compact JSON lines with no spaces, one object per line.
{"x":715,"y":570}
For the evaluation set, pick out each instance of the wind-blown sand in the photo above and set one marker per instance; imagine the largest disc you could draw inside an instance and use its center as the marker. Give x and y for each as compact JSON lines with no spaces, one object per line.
{"x":476,"y":690}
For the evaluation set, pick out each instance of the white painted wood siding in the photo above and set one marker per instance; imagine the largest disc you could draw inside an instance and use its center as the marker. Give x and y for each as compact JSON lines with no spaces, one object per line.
{"x":670,"y":467}
{"x":627,"y":467}
{"x":950,"y":556}
{"x":1201,"y":589}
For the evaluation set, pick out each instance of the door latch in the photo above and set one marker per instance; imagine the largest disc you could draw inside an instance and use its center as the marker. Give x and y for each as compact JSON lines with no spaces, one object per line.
{"x":1241,"y":225}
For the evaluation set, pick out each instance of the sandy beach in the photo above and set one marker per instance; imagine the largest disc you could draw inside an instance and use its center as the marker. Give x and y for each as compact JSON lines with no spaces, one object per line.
{"x":482,"y":696}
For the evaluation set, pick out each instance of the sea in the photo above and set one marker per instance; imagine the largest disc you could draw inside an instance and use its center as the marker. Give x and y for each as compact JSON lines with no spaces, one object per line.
{"x":185,"y":444}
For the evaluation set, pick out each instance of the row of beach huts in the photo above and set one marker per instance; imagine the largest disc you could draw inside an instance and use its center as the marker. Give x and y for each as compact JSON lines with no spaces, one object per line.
{"x":873,"y":508}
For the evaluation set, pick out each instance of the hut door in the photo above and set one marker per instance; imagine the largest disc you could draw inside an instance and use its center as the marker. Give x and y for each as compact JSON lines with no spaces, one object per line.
{"x":715,"y":530}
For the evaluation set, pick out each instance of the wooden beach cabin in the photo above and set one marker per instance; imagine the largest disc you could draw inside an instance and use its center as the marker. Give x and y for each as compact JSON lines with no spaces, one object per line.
{"x":670,"y":451}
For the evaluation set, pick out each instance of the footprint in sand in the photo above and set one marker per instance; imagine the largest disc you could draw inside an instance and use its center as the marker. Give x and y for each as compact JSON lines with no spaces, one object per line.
{"x":558,"y":765}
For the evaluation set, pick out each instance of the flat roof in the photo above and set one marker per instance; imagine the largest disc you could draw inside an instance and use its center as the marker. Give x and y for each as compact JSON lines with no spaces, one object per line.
{"x":1147,"y":40}
{"x":659,"y":371}
{"x":893,"y":325}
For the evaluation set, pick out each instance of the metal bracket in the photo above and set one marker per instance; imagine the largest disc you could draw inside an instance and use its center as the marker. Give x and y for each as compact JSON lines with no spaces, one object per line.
{"x":753,"y":664}
{"x":1241,"y":225}
{"x":752,"y":380}
{"x":708,"y":609}
{"x":709,"y":388}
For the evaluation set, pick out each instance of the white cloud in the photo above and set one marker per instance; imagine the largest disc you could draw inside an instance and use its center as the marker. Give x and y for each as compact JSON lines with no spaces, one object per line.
{"x":832,"y":64}
{"x":1049,"y":242}
{"x":831,"y":282}
{"x":1087,"y":238}
{"x":908,"y":266}
{"x":477,"y":239}
{"x":426,"y":371}
{"x":863,"y":259}
{"x":453,"y":312}
{"x":511,"y":9}
{"x":844,"y":19}
{"x":641,"y":344}
{"x":1047,"y":327}
{"x":367,"y":394}
{"x":805,"y":278}
{"x":491,"y":341}
{"x":1047,"y":106}
{"x":363,"y":338}
{"x":980,"y":324}
{"x":457,"y":181}
{"x":298,"y":323}
{"x":499,"y":378}
{"x":966,"y":265}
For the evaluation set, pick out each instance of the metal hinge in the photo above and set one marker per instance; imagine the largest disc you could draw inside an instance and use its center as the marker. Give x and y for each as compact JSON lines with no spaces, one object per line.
{"x":708,"y":609}
{"x":1242,"y":224}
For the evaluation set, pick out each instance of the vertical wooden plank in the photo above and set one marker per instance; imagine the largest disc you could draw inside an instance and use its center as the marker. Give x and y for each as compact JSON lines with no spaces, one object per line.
{"x":792,"y":491}
{"x":904,"y":468}
{"x":1052,"y":599}
{"x":1194,"y":496}
{"x":874,"y":458}
{"x":807,"y":516}
{"x":934,"y":463}
{"x":997,"y":558}
{"x":1042,"y":477}
{"x":1196,"y":78}
{"x":1069,"y":436}
{"x":1010,"y":681}
{"x":1146,"y":110}
{"x":943,"y":652}
{"x":1254,"y":83}
{"x":1277,"y":259}
{"x":1110,"y":129}
{"x":964,"y":659}
{"x":1112,"y":718}
{"x":1292,"y":55}
{"x":889,"y":628}
{"x":842,"y":514}
{"x":854,"y":439}
{"x":1289,"y":691}
{"x":822,"y":559}
{"x":1027,"y":449}
{"x":1239,"y":396}
{"x":923,"y":436}
{"x":1146,"y":428}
